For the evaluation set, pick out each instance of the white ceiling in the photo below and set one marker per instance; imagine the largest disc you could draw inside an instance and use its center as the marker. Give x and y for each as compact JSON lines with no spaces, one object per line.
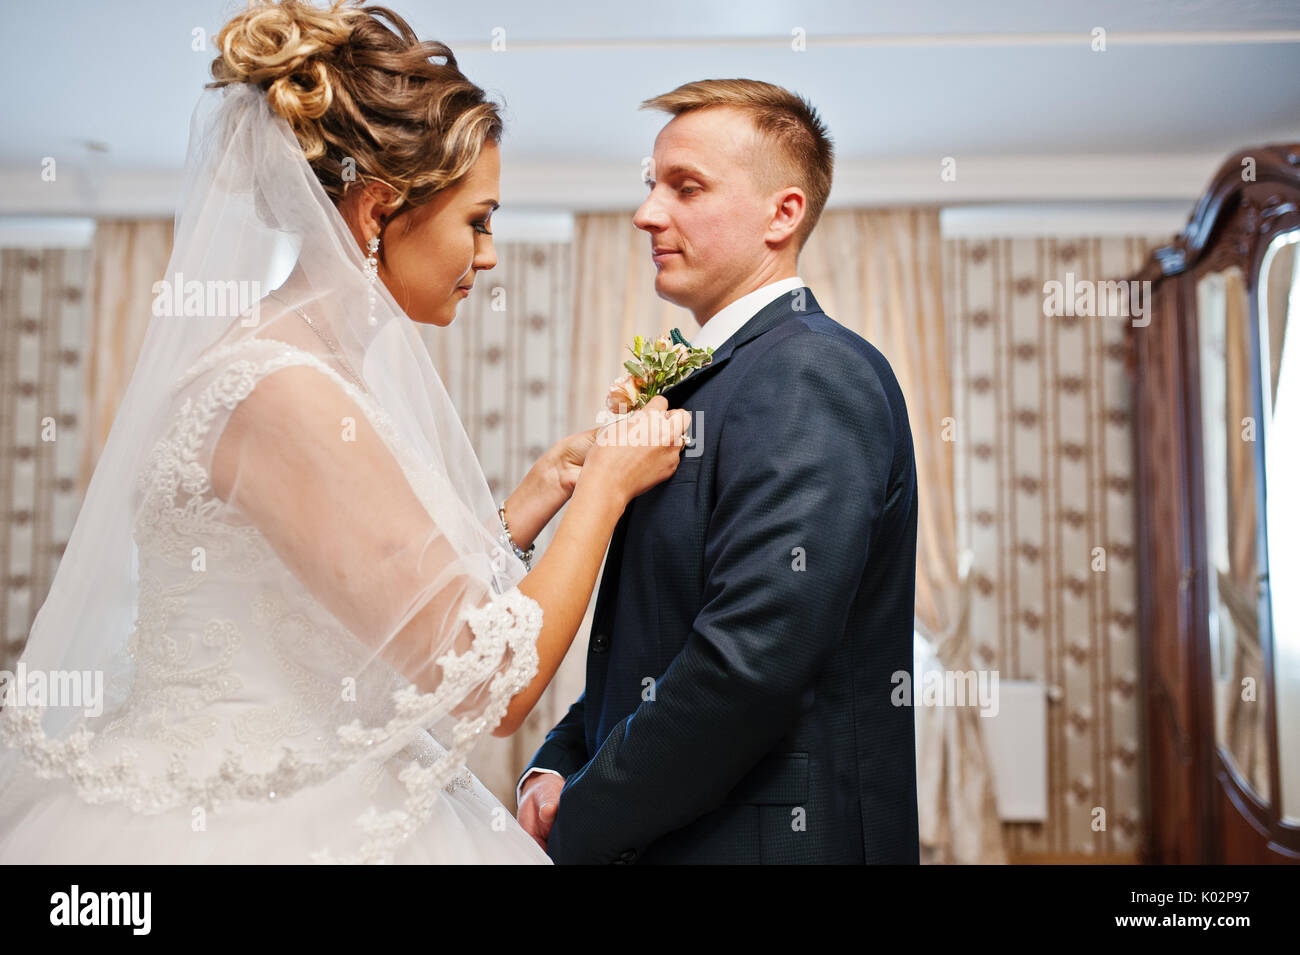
{"x":1010,"y":85}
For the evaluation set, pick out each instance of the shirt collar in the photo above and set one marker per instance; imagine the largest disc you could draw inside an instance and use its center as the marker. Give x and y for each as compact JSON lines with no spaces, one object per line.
{"x":728,"y":321}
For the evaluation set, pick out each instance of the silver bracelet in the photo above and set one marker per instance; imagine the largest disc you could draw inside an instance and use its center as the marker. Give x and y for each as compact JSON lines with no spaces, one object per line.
{"x":525,"y":555}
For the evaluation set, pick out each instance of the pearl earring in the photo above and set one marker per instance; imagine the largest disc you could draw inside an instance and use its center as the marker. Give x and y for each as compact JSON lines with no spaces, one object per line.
{"x":372,"y":274}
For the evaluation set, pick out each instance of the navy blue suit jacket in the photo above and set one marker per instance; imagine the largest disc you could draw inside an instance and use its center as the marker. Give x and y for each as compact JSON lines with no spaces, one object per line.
{"x":753,"y":613}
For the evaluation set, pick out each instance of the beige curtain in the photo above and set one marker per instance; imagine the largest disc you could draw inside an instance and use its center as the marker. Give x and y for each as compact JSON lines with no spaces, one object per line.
{"x":879,"y":272}
{"x":127,"y":258}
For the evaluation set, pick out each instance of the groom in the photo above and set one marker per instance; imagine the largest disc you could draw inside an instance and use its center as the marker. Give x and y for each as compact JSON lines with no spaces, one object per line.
{"x":757,"y":606}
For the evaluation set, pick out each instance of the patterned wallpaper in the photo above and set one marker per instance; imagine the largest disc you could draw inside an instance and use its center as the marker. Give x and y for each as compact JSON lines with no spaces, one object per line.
{"x":504,"y":362}
{"x":1045,"y":476}
{"x":504,"y":359}
{"x":42,"y":296}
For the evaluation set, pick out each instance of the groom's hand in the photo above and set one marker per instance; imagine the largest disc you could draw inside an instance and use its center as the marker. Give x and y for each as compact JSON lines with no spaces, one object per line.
{"x":538,"y":801}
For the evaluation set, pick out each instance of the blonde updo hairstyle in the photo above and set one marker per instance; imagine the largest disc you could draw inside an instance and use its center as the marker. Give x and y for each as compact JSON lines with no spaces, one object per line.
{"x":365,"y":97}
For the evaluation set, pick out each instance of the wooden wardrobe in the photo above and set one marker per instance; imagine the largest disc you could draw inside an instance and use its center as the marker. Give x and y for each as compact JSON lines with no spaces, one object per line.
{"x":1216,"y":400}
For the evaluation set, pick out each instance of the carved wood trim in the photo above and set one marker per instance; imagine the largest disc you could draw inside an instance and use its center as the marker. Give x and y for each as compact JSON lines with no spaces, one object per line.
{"x":1274,"y":166}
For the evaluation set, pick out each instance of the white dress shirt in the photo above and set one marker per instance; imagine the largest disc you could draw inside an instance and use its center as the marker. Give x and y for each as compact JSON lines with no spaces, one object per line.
{"x":713,"y":334}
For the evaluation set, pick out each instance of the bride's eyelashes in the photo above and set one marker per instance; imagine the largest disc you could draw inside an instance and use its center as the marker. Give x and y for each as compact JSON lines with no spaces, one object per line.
{"x":481,"y":226}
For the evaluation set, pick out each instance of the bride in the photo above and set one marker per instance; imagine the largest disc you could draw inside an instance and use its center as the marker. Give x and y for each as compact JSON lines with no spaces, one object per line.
{"x":288,"y":573}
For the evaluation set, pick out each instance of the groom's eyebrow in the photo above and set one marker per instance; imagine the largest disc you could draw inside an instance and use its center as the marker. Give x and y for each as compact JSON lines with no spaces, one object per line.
{"x":684,"y":169}
{"x":679,"y":169}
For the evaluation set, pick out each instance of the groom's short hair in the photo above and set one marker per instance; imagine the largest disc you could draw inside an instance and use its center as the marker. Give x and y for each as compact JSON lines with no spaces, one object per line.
{"x":803,"y":155}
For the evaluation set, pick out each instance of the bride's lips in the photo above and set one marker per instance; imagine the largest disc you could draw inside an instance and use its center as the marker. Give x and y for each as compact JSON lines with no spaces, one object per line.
{"x":463,"y":290}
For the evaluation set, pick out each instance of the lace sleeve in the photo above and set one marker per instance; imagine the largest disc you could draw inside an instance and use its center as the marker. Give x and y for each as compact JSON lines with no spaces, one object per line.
{"x":301,"y":454}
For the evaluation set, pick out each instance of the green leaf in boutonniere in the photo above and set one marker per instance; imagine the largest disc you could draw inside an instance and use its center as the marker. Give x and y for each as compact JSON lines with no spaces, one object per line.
{"x":659,"y":365}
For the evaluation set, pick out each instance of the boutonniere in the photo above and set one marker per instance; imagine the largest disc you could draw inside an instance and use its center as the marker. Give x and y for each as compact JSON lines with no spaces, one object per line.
{"x":654,"y":367}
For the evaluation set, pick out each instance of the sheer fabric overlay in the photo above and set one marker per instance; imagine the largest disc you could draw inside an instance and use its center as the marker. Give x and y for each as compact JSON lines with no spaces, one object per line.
{"x":287,"y":573}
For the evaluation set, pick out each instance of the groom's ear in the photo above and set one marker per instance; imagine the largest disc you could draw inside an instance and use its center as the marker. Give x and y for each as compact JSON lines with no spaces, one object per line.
{"x":790,"y":208}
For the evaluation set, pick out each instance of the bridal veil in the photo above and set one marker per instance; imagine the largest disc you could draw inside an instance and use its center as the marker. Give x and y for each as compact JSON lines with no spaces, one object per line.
{"x":287,"y":570}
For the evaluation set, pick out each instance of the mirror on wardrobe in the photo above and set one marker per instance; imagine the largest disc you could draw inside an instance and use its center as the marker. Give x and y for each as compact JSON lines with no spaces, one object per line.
{"x":1279,"y":302}
{"x":1228,"y":446}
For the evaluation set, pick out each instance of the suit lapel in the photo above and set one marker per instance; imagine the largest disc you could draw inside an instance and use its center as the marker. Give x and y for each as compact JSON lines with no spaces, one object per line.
{"x":764,"y":320}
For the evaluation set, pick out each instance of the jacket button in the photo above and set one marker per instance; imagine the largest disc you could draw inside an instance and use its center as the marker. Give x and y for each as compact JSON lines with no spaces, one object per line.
{"x":627,"y":855}
{"x":599,"y":643}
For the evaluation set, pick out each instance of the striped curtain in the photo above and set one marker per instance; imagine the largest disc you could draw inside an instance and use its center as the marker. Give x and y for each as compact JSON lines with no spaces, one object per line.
{"x":505,"y":362}
{"x":1045,"y":467}
{"x":42,"y":319}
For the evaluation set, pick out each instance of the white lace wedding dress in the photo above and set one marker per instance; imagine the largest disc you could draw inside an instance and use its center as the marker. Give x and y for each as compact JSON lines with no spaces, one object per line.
{"x":221,"y":740}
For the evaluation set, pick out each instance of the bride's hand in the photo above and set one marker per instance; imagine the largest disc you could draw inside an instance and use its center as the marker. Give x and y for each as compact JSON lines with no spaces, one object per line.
{"x":635,"y":453}
{"x":569,"y":454}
